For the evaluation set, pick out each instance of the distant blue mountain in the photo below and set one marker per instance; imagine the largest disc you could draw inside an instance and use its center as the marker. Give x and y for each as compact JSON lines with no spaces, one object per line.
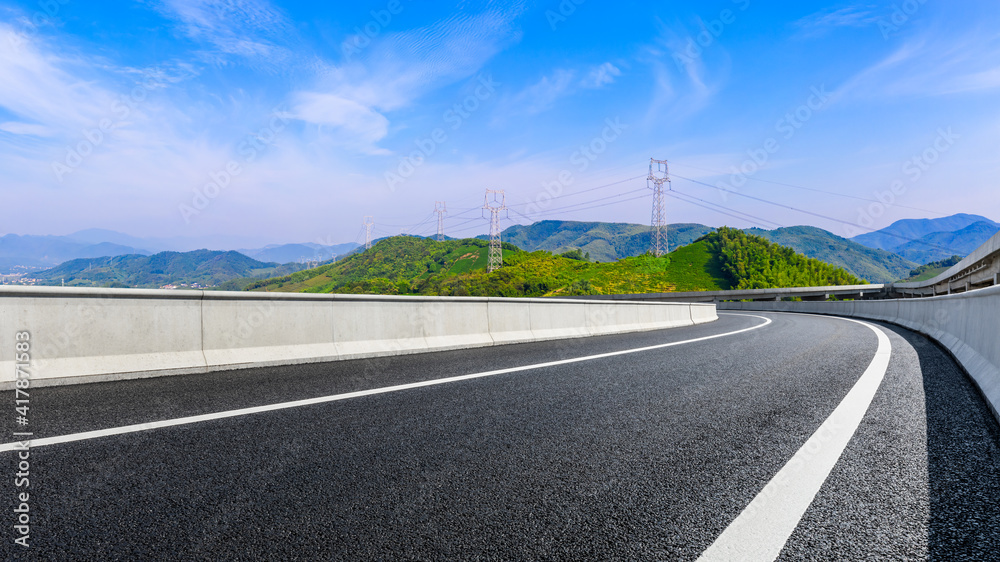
{"x":907,"y":231}
{"x":48,"y":251}
{"x":29,"y":251}
{"x":939,"y":246}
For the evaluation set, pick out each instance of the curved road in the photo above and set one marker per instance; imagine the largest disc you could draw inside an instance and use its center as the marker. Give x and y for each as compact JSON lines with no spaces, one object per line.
{"x":654,"y":454}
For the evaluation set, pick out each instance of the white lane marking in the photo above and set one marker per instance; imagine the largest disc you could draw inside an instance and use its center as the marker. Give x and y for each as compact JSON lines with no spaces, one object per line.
{"x":760,"y":532}
{"x":323,"y":399}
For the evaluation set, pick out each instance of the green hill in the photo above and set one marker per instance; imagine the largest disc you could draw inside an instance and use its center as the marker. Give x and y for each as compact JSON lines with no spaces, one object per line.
{"x":604,"y":241}
{"x":202,"y":267}
{"x":405,"y":265}
{"x":607,"y":242}
{"x":932,"y":270}
{"x":873,"y":265}
{"x":754,"y":262}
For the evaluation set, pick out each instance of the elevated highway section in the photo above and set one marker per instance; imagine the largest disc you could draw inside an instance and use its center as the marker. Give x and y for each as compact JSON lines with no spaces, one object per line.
{"x":757,"y":437}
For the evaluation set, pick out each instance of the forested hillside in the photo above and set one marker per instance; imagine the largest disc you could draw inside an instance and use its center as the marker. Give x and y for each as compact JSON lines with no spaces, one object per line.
{"x":604,"y":241}
{"x":203,"y":267}
{"x":416,"y":266}
{"x":753,"y":262}
{"x":871,"y":264}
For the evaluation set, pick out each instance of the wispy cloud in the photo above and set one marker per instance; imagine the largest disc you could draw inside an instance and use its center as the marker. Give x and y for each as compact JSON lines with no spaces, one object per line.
{"x":684,"y":84}
{"x":251,"y":30}
{"x":824,"y":21}
{"x":931,"y":65}
{"x":26,"y":129}
{"x":361,"y":126}
{"x":601,"y":76}
{"x":543,"y":94}
{"x":398,"y":69}
{"x":559,"y":84}
{"x":37,"y":87}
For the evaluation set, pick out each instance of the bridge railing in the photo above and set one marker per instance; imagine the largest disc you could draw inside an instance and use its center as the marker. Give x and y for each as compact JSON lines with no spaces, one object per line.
{"x":81,"y":335}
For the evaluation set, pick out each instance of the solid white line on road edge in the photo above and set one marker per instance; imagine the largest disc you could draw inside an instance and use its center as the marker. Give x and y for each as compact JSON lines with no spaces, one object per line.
{"x":323,"y":399}
{"x":760,"y":532}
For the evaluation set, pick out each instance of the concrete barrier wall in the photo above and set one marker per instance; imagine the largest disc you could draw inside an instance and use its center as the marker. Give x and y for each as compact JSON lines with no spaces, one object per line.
{"x":967,"y":324}
{"x":84,"y":335}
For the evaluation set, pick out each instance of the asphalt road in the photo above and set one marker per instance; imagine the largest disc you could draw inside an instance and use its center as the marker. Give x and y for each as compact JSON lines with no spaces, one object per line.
{"x":641,"y":456}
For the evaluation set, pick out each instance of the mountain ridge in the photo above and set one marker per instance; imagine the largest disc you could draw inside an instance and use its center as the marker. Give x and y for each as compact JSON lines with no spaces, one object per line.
{"x":206,"y":268}
{"x":906,"y":231}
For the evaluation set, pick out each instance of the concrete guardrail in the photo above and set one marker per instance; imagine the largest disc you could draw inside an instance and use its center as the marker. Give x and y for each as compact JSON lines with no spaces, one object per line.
{"x":967,"y":324}
{"x":86,"y":335}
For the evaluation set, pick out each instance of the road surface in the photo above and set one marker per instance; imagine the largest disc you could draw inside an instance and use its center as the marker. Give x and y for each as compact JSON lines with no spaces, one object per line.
{"x":650,"y":446}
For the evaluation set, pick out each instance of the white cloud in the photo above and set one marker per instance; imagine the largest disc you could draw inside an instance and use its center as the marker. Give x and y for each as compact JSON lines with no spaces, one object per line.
{"x":931,"y":66}
{"x":252,"y":30}
{"x":26,"y":129}
{"x":824,"y":21}
{"x":401,"y":67}
{"x":561,"y":83}
{"x":364,"y":125}
{"x":543,"y":94}
{"x":684,"y":82}
{"x":396,"y":70}
{"x":35,"y":86}
{"x":601,"y":76}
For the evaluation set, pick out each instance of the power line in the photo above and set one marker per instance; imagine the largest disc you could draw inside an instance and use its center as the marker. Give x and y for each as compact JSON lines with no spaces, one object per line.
{"x":815,"y":190}
{"x":550,"y":211}
{"x":676,"y":195}
{"x":758,"y":220}
{"x":782,"y":205}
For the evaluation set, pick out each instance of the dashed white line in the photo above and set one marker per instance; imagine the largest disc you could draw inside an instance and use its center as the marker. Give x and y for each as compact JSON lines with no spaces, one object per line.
{"x":323,"y":399}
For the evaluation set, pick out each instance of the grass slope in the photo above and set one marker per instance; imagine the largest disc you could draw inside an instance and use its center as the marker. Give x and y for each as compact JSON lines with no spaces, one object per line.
{"x":932,"y":270}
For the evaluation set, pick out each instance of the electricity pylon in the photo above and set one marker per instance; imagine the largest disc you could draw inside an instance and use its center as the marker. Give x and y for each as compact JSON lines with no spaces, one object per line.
{"x":658,"y":175}
{"x":499,"y":203}
{"x":440,"y":208}
{"x":368,"y":223}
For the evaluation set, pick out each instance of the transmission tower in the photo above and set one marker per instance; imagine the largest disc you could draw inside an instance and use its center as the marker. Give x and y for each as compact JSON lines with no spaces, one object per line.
{"x":440,"y":208}
{"x":496,"y":201}
{"x":368,"y":223}
{"x":658,"y":175}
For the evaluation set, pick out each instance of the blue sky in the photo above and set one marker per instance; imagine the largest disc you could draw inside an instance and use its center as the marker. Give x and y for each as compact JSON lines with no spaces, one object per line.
{"x":291,"y":121}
